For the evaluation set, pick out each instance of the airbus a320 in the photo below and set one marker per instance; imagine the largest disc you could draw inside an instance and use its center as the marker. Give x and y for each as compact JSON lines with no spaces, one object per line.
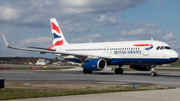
{"x":139,"y":55}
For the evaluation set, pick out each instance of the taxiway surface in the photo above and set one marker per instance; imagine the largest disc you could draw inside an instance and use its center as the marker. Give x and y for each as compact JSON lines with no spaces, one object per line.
{"x":75,"y":76}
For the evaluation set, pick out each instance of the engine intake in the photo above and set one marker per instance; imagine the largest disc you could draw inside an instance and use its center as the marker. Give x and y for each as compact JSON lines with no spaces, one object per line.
{"x":94,"y":64}
{"x":141,"y":67}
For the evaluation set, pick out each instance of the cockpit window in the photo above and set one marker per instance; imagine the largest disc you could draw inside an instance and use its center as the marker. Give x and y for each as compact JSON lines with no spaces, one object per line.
{"x":167,"y":47}
{"x":162,"y":47}
{"x":158,"y":48}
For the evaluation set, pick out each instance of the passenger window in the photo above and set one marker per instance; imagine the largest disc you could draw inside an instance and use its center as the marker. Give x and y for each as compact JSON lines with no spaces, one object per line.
{"x":158,"y":48}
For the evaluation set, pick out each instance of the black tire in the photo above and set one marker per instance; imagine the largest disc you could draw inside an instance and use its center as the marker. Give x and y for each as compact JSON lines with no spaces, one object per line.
{"x":121,"y":71}
{"x":153,"y":73}
{"x":89,"y":71}
{"x":85,"y":71}
{"x":117,"y":71}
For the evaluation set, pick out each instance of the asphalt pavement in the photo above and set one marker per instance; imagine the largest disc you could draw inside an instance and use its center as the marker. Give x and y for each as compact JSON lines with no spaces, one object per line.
{"x":75,"y":75}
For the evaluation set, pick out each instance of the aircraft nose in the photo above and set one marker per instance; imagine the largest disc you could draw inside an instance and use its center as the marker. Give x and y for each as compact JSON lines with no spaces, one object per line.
{"x":174,"y":56}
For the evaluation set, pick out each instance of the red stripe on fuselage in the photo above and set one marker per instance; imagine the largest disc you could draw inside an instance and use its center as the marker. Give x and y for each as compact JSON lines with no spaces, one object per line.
{"x":144,"y":45}
{"x":53,"y":26}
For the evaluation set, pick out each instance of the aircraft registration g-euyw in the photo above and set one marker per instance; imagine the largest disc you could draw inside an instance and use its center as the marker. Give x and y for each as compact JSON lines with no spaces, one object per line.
{"x":139,"y":55}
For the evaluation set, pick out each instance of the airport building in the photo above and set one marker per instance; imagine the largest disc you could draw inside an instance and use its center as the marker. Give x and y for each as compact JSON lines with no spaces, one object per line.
{"x":42,"y":62}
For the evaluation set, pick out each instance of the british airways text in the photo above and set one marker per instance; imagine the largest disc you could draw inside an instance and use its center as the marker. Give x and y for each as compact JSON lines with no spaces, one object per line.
{"x":128,"y":52}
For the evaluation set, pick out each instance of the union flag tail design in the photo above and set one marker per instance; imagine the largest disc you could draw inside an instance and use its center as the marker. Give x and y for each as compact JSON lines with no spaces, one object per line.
{"x":58,"y":37}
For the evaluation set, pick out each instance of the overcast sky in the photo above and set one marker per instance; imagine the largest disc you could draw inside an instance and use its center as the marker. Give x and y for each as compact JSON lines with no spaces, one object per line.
{"x":27,"y":22}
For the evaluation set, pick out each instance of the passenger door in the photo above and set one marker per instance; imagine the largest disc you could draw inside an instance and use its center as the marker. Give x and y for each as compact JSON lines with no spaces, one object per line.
{"x":145,"y":50}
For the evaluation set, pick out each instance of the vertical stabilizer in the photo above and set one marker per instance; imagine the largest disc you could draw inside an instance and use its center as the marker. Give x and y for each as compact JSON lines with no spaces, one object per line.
{"x":57,"y":35}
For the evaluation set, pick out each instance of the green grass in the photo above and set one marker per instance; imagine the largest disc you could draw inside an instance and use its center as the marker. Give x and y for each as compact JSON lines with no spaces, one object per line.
{"x":174,"y":70}
{"x":35,"y":93}
{"x":41,"y":68}
{"x":175,"y":65}
{"x":59,"y":68}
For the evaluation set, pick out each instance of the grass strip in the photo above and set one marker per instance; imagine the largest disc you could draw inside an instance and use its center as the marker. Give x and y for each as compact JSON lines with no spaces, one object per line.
{"x":174,"y":70}
{"x":41,"y":68}
{"x":14,"y":93}
{"x":59,"y":68}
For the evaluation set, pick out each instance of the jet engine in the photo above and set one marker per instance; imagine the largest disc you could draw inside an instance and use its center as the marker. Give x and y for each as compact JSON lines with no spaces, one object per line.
{"x":94,"y":64}
{"x":141,"y":67}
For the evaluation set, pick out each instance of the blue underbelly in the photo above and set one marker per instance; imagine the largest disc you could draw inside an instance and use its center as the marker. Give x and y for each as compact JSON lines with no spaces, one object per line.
{"x":129,"y":61}
{"x":139,"y":61}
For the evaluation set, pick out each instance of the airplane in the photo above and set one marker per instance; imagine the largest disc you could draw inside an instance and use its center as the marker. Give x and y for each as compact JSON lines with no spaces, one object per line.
{"x":142,"y":55}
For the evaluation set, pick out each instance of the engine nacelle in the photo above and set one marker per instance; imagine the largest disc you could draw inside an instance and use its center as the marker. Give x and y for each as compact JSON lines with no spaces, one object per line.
{"x":141,"y":67}
{"x":94,"y":64}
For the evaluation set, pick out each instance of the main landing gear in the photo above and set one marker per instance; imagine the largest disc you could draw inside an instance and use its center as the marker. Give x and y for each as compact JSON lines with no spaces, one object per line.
{"x":153,"y":72}
{"x":119,"y":70}
{"x":86,"y":71}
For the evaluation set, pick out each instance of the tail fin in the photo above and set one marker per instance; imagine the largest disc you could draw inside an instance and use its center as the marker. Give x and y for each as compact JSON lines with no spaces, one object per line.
{"x":58,"y":37}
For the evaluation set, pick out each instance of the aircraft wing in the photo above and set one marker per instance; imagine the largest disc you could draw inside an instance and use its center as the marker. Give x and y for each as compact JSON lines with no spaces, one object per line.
{"x":41,"y":48}
{"x":45,"y":50}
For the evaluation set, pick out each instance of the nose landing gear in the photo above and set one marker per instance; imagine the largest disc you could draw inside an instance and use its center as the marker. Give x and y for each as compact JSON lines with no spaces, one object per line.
{"x":153,"y":72}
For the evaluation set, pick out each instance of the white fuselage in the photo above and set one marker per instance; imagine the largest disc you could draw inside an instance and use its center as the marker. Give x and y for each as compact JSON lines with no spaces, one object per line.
{"x":122,"y":50}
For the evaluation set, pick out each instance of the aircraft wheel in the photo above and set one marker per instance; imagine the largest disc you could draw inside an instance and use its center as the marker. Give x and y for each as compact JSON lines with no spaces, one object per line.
{"x":85,"y":71}
{"x":121,"y":71}
{"x":118,"y":71}
{"x":153,"y":73}
{"x":89,"y":71}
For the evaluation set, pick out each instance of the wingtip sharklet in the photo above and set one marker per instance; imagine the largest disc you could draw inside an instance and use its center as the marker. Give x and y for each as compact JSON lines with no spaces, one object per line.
{"x":5,"y":41}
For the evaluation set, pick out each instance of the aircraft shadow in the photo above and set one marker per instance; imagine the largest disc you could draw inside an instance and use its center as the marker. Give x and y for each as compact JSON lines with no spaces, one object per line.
{"x":158,"y":75}
{"x":135,"y":74}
